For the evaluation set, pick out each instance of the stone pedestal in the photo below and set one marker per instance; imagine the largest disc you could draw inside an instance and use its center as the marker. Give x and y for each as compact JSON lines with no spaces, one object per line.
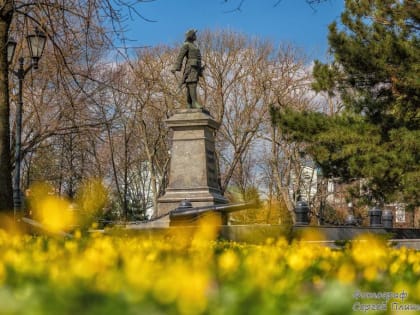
{"x":193,"y":171}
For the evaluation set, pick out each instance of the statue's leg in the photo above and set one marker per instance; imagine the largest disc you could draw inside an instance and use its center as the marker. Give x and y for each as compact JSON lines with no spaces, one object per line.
{"x":192,"y":90}
{"x":189,"y":97}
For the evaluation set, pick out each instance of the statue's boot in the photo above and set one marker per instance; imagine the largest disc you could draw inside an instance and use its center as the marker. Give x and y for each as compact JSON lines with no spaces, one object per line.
{"x":196,"y":105}
{"x":192,"y":95}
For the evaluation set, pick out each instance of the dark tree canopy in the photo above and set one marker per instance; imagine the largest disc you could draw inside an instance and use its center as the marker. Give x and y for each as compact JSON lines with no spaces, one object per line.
{"x":375,"y":72}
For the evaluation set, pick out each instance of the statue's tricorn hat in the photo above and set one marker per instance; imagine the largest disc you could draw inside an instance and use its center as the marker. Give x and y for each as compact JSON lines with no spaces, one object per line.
{"x":190,"y":33}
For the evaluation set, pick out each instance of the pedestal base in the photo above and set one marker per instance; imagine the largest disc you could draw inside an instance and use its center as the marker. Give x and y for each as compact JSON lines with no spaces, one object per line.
{"x":198,"y":198}
{"x":193,"y":170}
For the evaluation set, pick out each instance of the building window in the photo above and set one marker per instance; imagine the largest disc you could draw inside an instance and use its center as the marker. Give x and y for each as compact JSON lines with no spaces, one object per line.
{"x":400,"y":215}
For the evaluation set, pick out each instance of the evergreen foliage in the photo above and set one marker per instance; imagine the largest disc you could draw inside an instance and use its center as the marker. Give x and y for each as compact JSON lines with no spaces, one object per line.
{"x":375,"y":72}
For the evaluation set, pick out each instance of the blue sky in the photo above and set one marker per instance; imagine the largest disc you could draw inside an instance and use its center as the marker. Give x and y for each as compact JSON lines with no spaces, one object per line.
{"x":290,"y":21}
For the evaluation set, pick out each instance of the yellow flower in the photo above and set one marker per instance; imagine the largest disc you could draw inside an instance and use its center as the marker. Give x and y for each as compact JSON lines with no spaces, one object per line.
{"x":346,"y":273}
{"x":368,"y":250}
{"x":282,"y":243}
{"x":312,"y":235}
{"x":228,"y":262}
{"x":2,"y":273}
{"x":77,"y":234}
{"x":193,"y":294}
{"x":370,"y":273}
{"x":297,"y":262}
{"x":301,"y":255}
{"x":138,"y":274}
{"x":207,"y":229}
{"x":54,"y":213}
{"x":325,"y":265}
{"x":413,"y":257}
{"x":395,"y":267}
{"x":416,"y":268}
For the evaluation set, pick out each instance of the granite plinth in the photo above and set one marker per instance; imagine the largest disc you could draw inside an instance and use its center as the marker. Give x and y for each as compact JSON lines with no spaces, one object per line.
{"x":193,"y":171}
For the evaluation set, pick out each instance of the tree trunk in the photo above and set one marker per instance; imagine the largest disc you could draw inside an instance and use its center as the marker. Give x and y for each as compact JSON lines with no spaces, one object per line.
{"x":6,"y":190}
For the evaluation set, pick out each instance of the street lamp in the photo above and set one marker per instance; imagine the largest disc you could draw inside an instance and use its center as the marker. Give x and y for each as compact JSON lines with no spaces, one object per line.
{"x":36,"y":44}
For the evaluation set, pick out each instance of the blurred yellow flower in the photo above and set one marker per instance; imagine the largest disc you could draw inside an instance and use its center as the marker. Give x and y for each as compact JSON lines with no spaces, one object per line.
{"x":346,"y":273}
{"x":207,"y":228}
{"x":395,"y":267}
{"x":54,"y":213}
{"x":2,"y":273}
{"x":193,"y":293}
{"x":416,"y":268}
{"x":228,"y":262}
{"x":190,"y":273}
{"x":368,"y":250}
{"x":312,"y":235}
{"x":370,"y":273}
{"x":325,"y":265}
{"x":297,"y":262}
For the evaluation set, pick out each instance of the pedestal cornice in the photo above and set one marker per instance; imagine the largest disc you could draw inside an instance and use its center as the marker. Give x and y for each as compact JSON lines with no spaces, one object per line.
{"x":192,"y":117}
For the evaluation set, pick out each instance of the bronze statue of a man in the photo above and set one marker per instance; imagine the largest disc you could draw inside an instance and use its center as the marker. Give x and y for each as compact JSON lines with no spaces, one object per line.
{"x":192,"y":70}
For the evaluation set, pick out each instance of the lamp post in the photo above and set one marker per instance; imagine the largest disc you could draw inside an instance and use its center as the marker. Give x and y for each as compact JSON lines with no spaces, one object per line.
{"x":36,"y":43}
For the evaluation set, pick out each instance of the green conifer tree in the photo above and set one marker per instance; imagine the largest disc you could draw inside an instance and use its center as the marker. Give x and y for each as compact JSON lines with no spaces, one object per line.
{"x":375,"y":72}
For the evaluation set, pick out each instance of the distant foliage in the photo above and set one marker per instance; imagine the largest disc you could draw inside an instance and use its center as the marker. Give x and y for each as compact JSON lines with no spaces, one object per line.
{"x":91,"y":200}
{"x":376,"y":135}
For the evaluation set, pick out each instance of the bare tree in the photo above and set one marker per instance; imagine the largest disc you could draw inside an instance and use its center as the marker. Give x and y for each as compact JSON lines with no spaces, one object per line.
{"x":235,"y":89}
{"x":81,"y":23}
{"x":61,"y":119}
{"x":135,"y":136}
{"x":111,"y":123}
{"x":243,"y":78}
{"x":152,"y":94}
{"x":290,"y":86}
